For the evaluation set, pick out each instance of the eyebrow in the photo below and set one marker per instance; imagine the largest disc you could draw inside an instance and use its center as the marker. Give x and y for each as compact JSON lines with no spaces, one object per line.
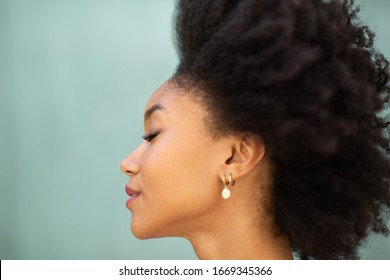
{"x":152,"y":109}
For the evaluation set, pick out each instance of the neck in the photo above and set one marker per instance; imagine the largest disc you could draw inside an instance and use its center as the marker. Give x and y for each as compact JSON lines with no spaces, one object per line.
{"x":239,"y":239}
{"x":240,"y":248}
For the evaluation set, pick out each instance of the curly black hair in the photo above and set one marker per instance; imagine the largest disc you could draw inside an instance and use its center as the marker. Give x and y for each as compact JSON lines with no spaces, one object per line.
{"x":306,"y":77}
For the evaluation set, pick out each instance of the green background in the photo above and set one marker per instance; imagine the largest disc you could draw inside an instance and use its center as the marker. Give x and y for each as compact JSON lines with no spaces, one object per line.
{"x":75,"y":76}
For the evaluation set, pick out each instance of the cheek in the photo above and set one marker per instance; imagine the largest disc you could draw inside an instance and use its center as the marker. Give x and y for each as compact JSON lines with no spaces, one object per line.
{"x":178,"y":168}
{"x":179,"y":179}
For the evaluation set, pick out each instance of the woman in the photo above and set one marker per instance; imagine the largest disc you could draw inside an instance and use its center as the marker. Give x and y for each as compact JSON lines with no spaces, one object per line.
{"x":267,"y":139}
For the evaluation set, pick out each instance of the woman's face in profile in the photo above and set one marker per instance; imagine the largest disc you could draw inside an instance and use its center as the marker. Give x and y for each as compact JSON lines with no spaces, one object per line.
{"x":175,"y":182}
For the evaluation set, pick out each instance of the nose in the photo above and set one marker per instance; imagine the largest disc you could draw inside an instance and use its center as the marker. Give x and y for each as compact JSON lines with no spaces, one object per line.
{"x":130,"y":165}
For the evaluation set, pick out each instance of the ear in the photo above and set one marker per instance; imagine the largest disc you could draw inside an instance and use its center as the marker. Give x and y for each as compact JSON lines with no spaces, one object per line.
{"x":246,"y":152}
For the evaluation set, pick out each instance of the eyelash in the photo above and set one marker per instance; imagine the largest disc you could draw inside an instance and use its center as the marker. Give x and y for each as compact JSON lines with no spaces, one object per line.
{"x":149,"y":137}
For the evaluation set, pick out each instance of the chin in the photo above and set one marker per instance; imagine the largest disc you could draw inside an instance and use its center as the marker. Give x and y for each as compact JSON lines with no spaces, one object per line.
{"x":139,"y":232}
{"x":142,"y":231}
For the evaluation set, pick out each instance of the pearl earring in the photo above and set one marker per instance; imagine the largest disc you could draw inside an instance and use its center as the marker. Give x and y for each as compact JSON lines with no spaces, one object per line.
{"x":226,"y":192}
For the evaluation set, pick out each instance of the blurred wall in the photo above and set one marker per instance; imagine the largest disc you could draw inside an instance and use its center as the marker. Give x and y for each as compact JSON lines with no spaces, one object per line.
{"x":75,"y":76}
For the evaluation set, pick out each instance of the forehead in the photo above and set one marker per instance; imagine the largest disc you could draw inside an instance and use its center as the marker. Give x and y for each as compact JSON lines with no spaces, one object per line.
{"x":175,"y":101}
{"x":181,"y":112}
{"x":164,"y":94}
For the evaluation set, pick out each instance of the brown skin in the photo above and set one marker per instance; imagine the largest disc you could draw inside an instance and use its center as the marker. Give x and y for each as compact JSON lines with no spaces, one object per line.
{"x":179,"y":177}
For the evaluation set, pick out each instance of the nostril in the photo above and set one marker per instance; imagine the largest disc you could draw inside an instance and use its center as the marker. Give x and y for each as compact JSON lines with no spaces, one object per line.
{"x":129,"y":167}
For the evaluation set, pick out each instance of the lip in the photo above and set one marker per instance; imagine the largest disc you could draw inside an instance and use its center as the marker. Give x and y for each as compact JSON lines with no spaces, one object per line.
{"x":133,"y":195}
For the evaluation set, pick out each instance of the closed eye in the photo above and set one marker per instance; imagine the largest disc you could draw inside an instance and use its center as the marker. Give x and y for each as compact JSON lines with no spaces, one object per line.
{"x":149,"y":137}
